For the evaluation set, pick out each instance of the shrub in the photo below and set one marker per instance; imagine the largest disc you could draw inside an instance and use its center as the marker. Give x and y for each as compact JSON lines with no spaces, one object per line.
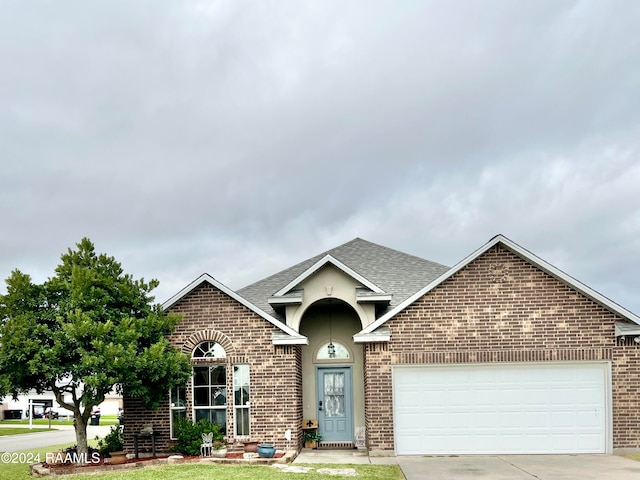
{"x":72,"y":452}
{"x":112,"y":442}
{"x":311,"y":436}
{"x":189,"y":435}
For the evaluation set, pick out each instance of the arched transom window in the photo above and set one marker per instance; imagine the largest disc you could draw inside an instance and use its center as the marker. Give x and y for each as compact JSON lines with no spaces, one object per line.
{"x":332,"y":350}
{"x":209,"y":350}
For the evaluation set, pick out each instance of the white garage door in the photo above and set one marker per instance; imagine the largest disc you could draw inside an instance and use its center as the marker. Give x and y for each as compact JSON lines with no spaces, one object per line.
{"x":509,"y":408}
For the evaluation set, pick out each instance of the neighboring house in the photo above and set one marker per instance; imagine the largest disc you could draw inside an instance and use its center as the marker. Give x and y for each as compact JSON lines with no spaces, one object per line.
{"x":502,"y":353}
{"x":19,"y":408}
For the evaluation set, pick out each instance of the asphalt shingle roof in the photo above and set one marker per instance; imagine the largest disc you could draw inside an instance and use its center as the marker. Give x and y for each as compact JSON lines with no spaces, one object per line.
{"x":397,"y":273}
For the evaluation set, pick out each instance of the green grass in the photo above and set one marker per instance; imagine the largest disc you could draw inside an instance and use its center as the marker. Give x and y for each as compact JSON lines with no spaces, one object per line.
{"x":20,"y":471}
{"x":104,"y":420}
{"x":4,"y":431}
{"x":11,"y":471}
{"x":246,"y":472}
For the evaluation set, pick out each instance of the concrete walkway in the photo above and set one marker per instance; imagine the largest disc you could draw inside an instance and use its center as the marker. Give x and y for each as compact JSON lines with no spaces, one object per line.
{"x":308,"y":455}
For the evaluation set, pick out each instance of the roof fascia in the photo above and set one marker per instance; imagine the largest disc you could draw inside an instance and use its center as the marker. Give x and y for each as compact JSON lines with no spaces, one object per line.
{"x":281,"y":339}
{"x":381,"y":335}
{"x":205,"y":277}
{"x":284,"y":300}
{"x":527,"y":255}
{"x":374,"y":298}
{"x":321,"y":263}
{"x":620,"y":332}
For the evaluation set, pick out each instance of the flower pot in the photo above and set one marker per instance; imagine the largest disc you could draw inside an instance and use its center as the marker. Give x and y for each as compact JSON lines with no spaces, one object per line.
{"x":311,"y":444}
{"x":219,"y":453}
{"x":266,"y":450}
{"x":117,"y":458}
{"x":251,"y":447}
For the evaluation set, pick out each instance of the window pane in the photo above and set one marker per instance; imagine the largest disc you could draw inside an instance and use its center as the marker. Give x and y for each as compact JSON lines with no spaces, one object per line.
{"x":175,"y":414}
{"x":339,"y":351}
{"x":242,"y":421}
{"x":178,"y":397}
{"x":218,"y":375}
{"x":217,"y":416}
{"x":201,"y":396}
{"x":201,"y":375}
{"x":218,"y":396}
{"x":209,"y":350}
{"x":334,"y":394}
{"x":241,"y":384}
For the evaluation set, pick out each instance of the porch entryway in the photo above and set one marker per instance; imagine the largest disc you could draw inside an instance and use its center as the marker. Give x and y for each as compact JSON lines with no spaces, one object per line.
{"x":332,"y":373}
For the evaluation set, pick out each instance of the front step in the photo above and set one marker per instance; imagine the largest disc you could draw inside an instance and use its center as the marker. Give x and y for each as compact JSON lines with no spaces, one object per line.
{"x":335,"y":445}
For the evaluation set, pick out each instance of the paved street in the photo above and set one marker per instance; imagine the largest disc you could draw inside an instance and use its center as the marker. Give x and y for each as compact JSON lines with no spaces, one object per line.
{"x":63,"y":434}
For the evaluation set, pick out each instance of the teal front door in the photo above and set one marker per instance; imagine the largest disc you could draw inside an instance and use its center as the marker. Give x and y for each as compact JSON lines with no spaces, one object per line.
{"x":334,"y":402}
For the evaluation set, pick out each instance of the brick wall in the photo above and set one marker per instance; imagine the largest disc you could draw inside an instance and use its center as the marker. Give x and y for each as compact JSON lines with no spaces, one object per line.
{"x":626,"y":394}
{"x":500,"y":308}
{"x":275,"y":371}
{"x":378,"y":404}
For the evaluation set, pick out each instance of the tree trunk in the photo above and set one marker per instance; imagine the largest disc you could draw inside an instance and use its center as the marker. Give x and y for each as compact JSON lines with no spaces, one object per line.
{"x":80,"y":424}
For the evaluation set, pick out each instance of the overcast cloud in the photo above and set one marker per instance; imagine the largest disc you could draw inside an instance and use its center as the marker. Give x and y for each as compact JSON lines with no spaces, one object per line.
{"x":238,"y":138}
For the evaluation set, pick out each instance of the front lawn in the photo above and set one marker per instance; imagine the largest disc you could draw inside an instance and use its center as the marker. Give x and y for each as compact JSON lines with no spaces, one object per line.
{"x":20,"y":431}
{"x":17,"y":471}
{"x":228,"y":472}
{"x":14,"y":470}
{"x":246,"y":472}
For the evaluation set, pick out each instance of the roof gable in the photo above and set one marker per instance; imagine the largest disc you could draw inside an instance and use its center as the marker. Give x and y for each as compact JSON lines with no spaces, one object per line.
{"x":392,"y":272}
{"x":292,"y":335}
{"x":365,"y":334}
{"x":326,"y":260}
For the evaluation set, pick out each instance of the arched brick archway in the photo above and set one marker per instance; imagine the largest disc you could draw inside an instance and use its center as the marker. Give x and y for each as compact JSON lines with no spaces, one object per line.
{"x":211,"y":336}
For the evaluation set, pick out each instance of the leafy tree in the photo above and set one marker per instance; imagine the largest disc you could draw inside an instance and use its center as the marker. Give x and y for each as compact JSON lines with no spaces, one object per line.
{"x":86,"y":330}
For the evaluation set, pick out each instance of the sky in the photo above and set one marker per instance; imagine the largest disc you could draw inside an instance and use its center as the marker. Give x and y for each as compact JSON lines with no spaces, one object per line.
{"x":238,"y":138}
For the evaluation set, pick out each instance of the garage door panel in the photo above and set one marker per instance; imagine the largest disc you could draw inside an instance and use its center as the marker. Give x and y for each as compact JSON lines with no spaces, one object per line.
{"x":514,"y":408}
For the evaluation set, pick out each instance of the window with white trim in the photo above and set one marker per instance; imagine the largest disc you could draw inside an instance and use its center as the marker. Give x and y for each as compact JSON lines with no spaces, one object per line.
{"x":210,"y":384}
{"x":178,"y":407}
{"x":241,"y":399}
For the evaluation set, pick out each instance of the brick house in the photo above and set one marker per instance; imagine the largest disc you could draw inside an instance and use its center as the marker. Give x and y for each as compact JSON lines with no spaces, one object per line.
{"x":501,"y":353}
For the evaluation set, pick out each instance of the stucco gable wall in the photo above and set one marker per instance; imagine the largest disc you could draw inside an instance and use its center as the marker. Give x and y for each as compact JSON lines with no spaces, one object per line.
{"x":329,"y":282}
{"x":275,"y":373}
{"x":500,"y":308}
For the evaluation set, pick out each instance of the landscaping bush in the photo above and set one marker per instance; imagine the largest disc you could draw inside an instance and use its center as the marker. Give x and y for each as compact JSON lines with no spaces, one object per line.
{"x":112,"y":442}
{"x":189,"y":435}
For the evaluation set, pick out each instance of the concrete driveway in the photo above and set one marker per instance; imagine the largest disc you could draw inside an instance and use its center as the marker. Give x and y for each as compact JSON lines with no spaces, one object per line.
{"x":520,"y":467}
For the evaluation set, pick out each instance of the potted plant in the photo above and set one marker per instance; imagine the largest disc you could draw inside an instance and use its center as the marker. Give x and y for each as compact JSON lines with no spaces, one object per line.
{"x":112,"y":446}
{"x":219,"y":449}
{"x":310,"y":438}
